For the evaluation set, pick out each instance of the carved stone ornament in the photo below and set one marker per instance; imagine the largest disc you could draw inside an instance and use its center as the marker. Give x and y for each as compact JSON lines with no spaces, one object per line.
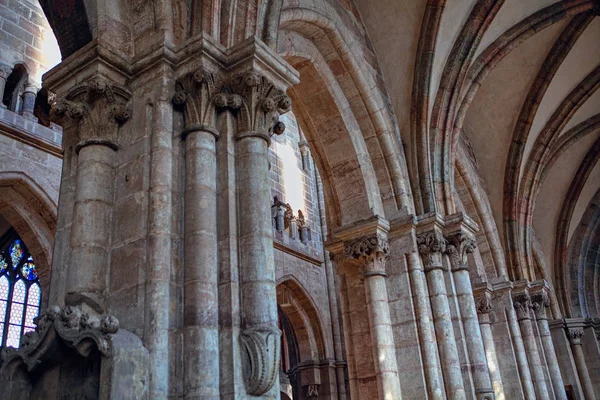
{"x":575,"y":335}
{"x":522,"y":304}
{"x":484,"y":305}
{"x":431,"y":247}
{"x":200,"y":95}
{"x":262,"y":104}
{"x":97,"y":108}
{"x":58,"y":327}
{"x":539,"y":303}
{"x":370,"y":252}
{"x":312,"y":390}
{"x":262,"y":347}
{"x":458,"y":248}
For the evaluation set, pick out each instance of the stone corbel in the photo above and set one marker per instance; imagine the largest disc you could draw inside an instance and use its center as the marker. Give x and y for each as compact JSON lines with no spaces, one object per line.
{"x":370,"y":252}
{"x":458,"y":248}
{"x":97,"y":107}
{"x":262,"y":345}
{"x":431,"y":247}
{"x":262,"y":104}
{"x":575,"y":335}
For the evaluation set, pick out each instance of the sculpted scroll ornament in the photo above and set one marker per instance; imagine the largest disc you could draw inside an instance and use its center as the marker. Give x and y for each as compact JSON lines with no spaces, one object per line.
{"x":370,"y":252}
{"x":431,"y":247}
{"x":262,"y":347}
{"x":458,"y":248}
{"x":69,"y":325}
{"x":97,"y":108}
{"x":262,"y":104}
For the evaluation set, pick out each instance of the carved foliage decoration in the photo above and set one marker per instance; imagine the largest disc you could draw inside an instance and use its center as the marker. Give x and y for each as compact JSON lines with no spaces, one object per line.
{"x":262,"y":347}
{"x":575,"y":335}
{"x":57,"y":326}
{"x":98,"y":107}
{"x":200,"y":94}
{"x":539,"y":303}
{"x":370,"y":252}
{"x":262,"y":105}
{"x":431,"y":246}
{"x":522,"y":304}
{"x":458,"y":248}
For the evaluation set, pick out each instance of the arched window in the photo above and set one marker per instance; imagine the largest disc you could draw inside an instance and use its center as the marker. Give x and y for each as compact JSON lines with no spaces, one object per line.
{"x":15,"y":86}
{"x":20,"y":292}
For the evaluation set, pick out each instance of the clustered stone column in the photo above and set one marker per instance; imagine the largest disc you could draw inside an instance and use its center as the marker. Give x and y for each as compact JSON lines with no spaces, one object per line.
{"x":522,"y":305}
{"x":197,"y":93}
{"x":371,"y":253}
{"x":431,"y":246}
{"x":575,"y":333}
{"x":484,"y":310}
{"x":458,"y":248}
{"x":540,"y":302}
{"x":433,"y":371}
{"x":96,"y":109}
{"x":5,"y":71}
{"x":257,"y":120}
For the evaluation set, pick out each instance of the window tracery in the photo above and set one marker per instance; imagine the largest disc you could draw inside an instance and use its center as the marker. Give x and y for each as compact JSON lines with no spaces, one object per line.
{"x":20,"y":292}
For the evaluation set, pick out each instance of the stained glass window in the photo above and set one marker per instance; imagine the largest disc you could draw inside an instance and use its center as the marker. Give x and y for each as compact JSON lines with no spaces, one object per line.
{"x":20,"y":292}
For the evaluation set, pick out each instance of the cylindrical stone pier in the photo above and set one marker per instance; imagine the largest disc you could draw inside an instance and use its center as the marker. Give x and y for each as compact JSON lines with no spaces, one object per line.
{"x":201,"y":324}
{"x":484,"y":308}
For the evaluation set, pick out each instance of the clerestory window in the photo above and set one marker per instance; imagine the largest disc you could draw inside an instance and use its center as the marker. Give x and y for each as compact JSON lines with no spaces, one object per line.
{"x":20,"y":292}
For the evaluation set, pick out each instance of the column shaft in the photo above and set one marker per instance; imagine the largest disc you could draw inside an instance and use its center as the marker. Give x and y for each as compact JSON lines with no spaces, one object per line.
{"x":29,"y":102}
{"x":521,"y":356}
{"x":156,"y":320}
{"x":488,"y":342}
{"x":201,"y":324}
{"x":445,"y":334}
{"x":257,"y":265}
{"x":91,"y":229}
{"x":429,"y":349}
{"x":584,"y":375}
{"x":382,"y":336}
{"x":475,"y":348}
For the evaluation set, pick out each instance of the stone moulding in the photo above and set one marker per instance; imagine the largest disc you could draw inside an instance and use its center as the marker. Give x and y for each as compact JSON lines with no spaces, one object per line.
{"x":262,"y":349}
{"x":68,"y":326}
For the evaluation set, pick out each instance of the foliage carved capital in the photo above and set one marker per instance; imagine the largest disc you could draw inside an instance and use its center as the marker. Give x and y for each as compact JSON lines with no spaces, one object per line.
{"x":431,"y":247}
{"x":370,"y":252}
{"x":458,"y":248}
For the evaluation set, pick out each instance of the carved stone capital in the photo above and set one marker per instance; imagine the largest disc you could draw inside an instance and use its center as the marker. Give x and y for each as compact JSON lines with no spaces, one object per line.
{"x":458,"y":248}
{"x":484,"y":309}
{"x":200,"y":94}
{"x":261,"y":105}
{"x":96,"y":108}
{"x":70,"y":326}
{"x":261,"y":345}
{"x":539,"y":303}
{"x":575,"y":335}
{"x":522,"y":304}
{"x":431,"y":247}
{"x":370,"y":252}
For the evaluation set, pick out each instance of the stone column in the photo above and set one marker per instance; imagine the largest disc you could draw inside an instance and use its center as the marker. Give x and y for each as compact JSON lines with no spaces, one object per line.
{"x":332,"y":296}
{"x":197,"y":93}
{"x":29,"y":95}
{"x":458,"y":248}
{"x":260,"y":105}
{"x":540,"y":302}
{"x":370,"y":253}
{"x":5,"y":71}
{"x":433,"y":370}
{"x":97,"y":109}
{"x":575,"y":333}
{"x":484,"y":310}
{"x":522,"y":305}
{"x":431,"y":247}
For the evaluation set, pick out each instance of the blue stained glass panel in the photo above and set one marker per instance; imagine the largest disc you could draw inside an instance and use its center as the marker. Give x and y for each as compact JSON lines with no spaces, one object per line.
{"x":16,"y":253}
{"x":29,"y":271}
{"x":3,"y":265}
